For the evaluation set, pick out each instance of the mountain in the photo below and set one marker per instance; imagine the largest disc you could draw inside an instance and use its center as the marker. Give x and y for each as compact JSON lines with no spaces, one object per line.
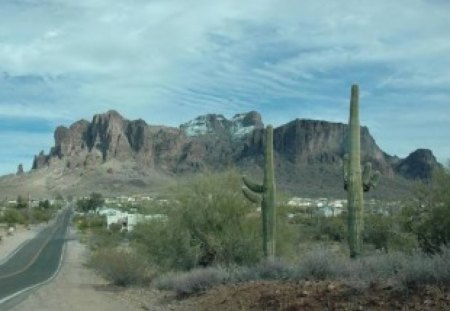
{"x":113,"y":154}
{"x":419,"y":164}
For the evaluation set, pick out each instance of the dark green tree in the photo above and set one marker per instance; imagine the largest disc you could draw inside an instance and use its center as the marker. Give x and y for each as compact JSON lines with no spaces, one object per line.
{"x":44,"y":204}
{"x":21,"y":202}
{"x":428,"y":217}
{"x":88,"y":204}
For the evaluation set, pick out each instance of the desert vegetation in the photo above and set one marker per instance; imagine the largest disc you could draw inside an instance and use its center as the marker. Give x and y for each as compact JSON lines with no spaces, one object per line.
{"x":216,"y":234}
{"x":21,"y":213}
{"x":213,"y":236}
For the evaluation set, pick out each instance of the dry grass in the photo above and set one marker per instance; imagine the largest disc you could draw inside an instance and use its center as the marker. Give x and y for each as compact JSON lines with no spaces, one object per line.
{"x":403,"y":271}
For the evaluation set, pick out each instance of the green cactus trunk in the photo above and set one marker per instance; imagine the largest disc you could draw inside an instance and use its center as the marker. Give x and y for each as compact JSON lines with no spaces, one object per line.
{"x":269,"y":194}
{"x":265,"y":194}
{"x":355,"y":187}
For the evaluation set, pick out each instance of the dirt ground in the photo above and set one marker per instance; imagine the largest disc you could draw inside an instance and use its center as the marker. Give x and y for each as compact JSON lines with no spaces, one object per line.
{"x":287,"y":296}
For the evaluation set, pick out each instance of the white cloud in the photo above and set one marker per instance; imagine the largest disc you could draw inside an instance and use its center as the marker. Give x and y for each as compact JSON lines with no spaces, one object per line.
{"x":286,"y":58}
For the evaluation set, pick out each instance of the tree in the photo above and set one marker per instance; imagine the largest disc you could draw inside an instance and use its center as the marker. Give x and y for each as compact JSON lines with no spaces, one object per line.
{"x":429,"y":216}
{"x":44,"y":204}
{"x":95,"y":200}
{"x":21,"y":202}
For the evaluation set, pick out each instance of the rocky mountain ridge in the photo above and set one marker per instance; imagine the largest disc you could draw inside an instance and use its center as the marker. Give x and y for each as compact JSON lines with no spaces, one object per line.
{"x":308,"y":153}
{"x":212,"y":141}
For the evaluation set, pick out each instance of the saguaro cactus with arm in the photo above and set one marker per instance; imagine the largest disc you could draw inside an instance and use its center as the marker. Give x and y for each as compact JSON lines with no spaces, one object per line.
{"x":355,"y":182}
{"x":265,"y":194}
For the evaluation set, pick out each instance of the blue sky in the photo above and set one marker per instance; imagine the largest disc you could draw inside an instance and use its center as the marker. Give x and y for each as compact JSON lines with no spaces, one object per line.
{"x":169,"y":61}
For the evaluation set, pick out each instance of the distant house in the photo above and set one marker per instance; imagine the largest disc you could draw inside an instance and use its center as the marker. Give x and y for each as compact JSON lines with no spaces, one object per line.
{"x":127,"y":220}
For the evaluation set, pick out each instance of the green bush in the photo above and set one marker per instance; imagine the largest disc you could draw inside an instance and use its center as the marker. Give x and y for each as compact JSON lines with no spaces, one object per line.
{"x":194,"y":281}
{"x":115,"y":228}
{"x":42,"y":215}
{"x":121,"y":267}
{"x":13,"y":216}
{"x":211,"y":223}
{"x":428,"y":216}
{"x":90,"y":221}
{"x":44,"y":204}
{"x":104,"y":238}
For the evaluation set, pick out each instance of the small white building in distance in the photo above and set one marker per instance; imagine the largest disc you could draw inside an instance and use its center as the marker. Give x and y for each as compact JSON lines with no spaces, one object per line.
{"x":128,"y":221}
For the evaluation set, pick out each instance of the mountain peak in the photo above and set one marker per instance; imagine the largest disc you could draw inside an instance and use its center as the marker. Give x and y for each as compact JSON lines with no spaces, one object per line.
{"x":419,"y":164}
{"x":238,"y":127}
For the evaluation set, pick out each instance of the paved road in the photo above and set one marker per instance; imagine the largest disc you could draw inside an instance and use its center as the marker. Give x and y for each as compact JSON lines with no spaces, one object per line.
{"x":37,"y":261}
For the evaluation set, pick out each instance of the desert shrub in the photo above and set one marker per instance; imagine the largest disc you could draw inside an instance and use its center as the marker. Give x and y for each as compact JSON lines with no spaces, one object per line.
{"x":321,"y":228}
{"x":41,"y":215}
{"x":419,"y":269}
{"x":191,"y":282}
{"x":332,"y":228}
{"x":121,"y":266}
{"x":265,"y":270}
{"x":89,"y":221}
{"x":115,"y":228}
{"x":104,"y":238}
{"x":377,"y":231}
{"x":318,"y":264}
{"x":13,"y":216}
{"x":165,"y":246}
{"x":428,"y":216}
{"x":211,"y":223}
{"x":387,"y":234}
{"x":402,"y":270}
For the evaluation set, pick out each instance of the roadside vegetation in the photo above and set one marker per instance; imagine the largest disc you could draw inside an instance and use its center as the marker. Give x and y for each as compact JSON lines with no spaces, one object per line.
{"x":20,"y":213}
{"x":213,"y":236}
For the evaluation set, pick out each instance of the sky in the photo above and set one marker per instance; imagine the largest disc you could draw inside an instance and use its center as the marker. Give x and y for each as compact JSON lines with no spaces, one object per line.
{"x":168,"y":61}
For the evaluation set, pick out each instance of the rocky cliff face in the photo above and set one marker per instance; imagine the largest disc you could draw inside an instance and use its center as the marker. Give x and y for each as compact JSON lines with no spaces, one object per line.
{"x":318,"y":142}
{"x":212,"y":141}
{"x":417,"y":165}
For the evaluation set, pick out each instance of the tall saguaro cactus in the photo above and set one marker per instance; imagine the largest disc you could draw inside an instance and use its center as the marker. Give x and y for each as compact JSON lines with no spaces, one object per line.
{"x":265,"y":194}
{"x":355,"y":182}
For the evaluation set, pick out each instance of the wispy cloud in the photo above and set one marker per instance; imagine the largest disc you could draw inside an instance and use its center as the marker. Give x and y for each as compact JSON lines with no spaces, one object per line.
{"x":284,"y":58}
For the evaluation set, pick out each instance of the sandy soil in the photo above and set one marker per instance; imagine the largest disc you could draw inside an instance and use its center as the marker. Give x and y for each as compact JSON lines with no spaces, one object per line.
{"x":9,"y":243}
{"x":75,"y":288}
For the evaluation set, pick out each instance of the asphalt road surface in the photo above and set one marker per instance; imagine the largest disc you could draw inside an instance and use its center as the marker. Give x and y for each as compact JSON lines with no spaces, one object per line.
{"x":36,"y":261}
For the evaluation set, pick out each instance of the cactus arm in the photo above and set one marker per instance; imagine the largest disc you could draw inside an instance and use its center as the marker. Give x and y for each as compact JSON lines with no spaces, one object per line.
{"x":375,"y":179}
{"x":258,"y":188}
{"x":251,"y":196}
{"x":367,"y":173}
{"x":370,"y":180}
